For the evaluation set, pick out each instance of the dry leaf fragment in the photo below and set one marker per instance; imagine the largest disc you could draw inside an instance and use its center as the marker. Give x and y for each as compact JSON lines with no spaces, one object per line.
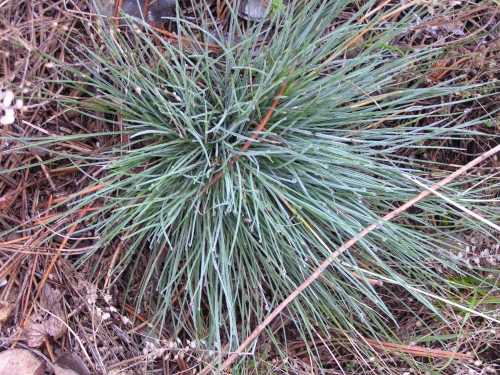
{"x":21,"y":362}
{"x":70,"y":363}
{"x":5,"y":310}
{"x":91,"y":292}
{"x":253,"y":10}
{"x":60,"y":370}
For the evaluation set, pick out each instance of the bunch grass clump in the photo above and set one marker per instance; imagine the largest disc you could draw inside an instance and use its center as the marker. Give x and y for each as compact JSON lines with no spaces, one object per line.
{"x":232,"y":233}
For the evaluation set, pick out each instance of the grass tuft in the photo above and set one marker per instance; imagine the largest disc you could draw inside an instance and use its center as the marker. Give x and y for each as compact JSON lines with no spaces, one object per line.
{"x":330,"y":160}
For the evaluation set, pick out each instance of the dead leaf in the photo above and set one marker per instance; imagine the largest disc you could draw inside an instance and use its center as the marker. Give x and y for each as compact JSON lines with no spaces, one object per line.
{"x":46,"y":320}
{"x":34,"y":332}
{"x":156,"y":11}
{"x":253,"y":10}
{"x":51,"y":301}
{"x":70,"y":363}
{"x":21,"y":362}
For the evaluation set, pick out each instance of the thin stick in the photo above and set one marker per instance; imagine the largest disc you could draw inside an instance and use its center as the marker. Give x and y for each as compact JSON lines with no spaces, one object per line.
{"x":459,"y":206}
{"x":70,"y":196}
{"x":346,"y":246}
